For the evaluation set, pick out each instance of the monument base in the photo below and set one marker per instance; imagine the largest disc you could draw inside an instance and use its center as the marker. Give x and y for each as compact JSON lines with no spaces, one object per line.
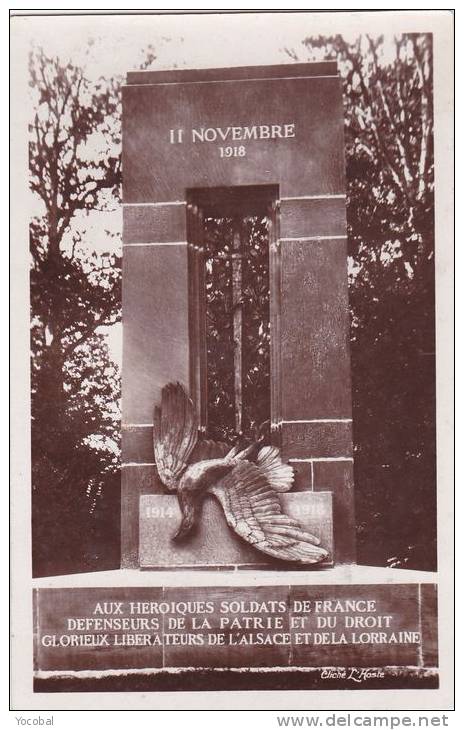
{"x":351,"y":627}
{"x":234,"y":680}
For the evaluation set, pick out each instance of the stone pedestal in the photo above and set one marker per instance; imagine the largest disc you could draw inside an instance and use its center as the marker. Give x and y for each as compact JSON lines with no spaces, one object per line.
{"x":377,"y":627}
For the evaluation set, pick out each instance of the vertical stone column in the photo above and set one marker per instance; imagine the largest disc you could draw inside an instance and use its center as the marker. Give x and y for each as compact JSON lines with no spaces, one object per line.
{"x":175,"y":127}
{"x":155,"y":344}
{"x":315,"y":382}
{"x":197,"y":313}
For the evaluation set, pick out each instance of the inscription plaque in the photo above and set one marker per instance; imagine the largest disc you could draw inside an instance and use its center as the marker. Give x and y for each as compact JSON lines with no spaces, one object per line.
{"x":318,"y":626}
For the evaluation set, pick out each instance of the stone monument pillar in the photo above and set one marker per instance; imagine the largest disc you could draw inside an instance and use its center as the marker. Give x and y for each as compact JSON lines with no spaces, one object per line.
{"x":266,"y":136}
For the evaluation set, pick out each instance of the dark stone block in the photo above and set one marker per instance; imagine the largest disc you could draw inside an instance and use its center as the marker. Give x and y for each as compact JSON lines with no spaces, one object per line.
{"x":323,"y":68}
{"x":137,"y":444}
{"x":55,"y":606}
{"x":323,"y":217}
{"x":150,"y":223}
{"x":316,"y":440}
{"x":429,"y":624}
{"x":337,"y":477}
{"x":310,"y":163}
{"x":214,"y":544}
{"x":303,"y":476}
{"x":135,"y":480}
{"x":315,"y":363}
{"x":400,"y":602}
{"x":155,"y":331}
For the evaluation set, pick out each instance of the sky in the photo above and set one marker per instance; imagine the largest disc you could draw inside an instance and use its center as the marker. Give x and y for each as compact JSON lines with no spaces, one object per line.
{"x":193,"y":41}
{"x":190,"y":41}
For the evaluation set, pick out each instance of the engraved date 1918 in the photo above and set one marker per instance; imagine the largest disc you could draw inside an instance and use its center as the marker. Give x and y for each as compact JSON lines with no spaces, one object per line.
{"x":230,"y":151}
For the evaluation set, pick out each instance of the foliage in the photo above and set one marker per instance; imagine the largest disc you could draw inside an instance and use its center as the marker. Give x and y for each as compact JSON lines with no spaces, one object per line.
{"x":389,"y":150}
{"x":74,"y":295}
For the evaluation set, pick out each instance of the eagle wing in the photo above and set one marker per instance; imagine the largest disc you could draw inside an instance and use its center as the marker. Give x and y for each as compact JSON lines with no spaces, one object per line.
{"x":252,"y":508}
{"x":175,"y":436}
{"x":175,"y":430}
{"x":279,"y":475}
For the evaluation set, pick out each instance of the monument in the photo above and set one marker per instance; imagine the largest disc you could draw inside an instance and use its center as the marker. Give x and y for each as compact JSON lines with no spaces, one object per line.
{"x":263,"y":143}
{"x":236,"y":346}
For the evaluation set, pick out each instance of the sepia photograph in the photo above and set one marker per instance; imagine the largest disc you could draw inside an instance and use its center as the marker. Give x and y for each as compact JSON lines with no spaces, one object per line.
{"x":232,"y":308}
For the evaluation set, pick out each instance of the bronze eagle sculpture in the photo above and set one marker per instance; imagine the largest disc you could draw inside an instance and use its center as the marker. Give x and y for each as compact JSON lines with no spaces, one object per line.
{"x":246,"y":481}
